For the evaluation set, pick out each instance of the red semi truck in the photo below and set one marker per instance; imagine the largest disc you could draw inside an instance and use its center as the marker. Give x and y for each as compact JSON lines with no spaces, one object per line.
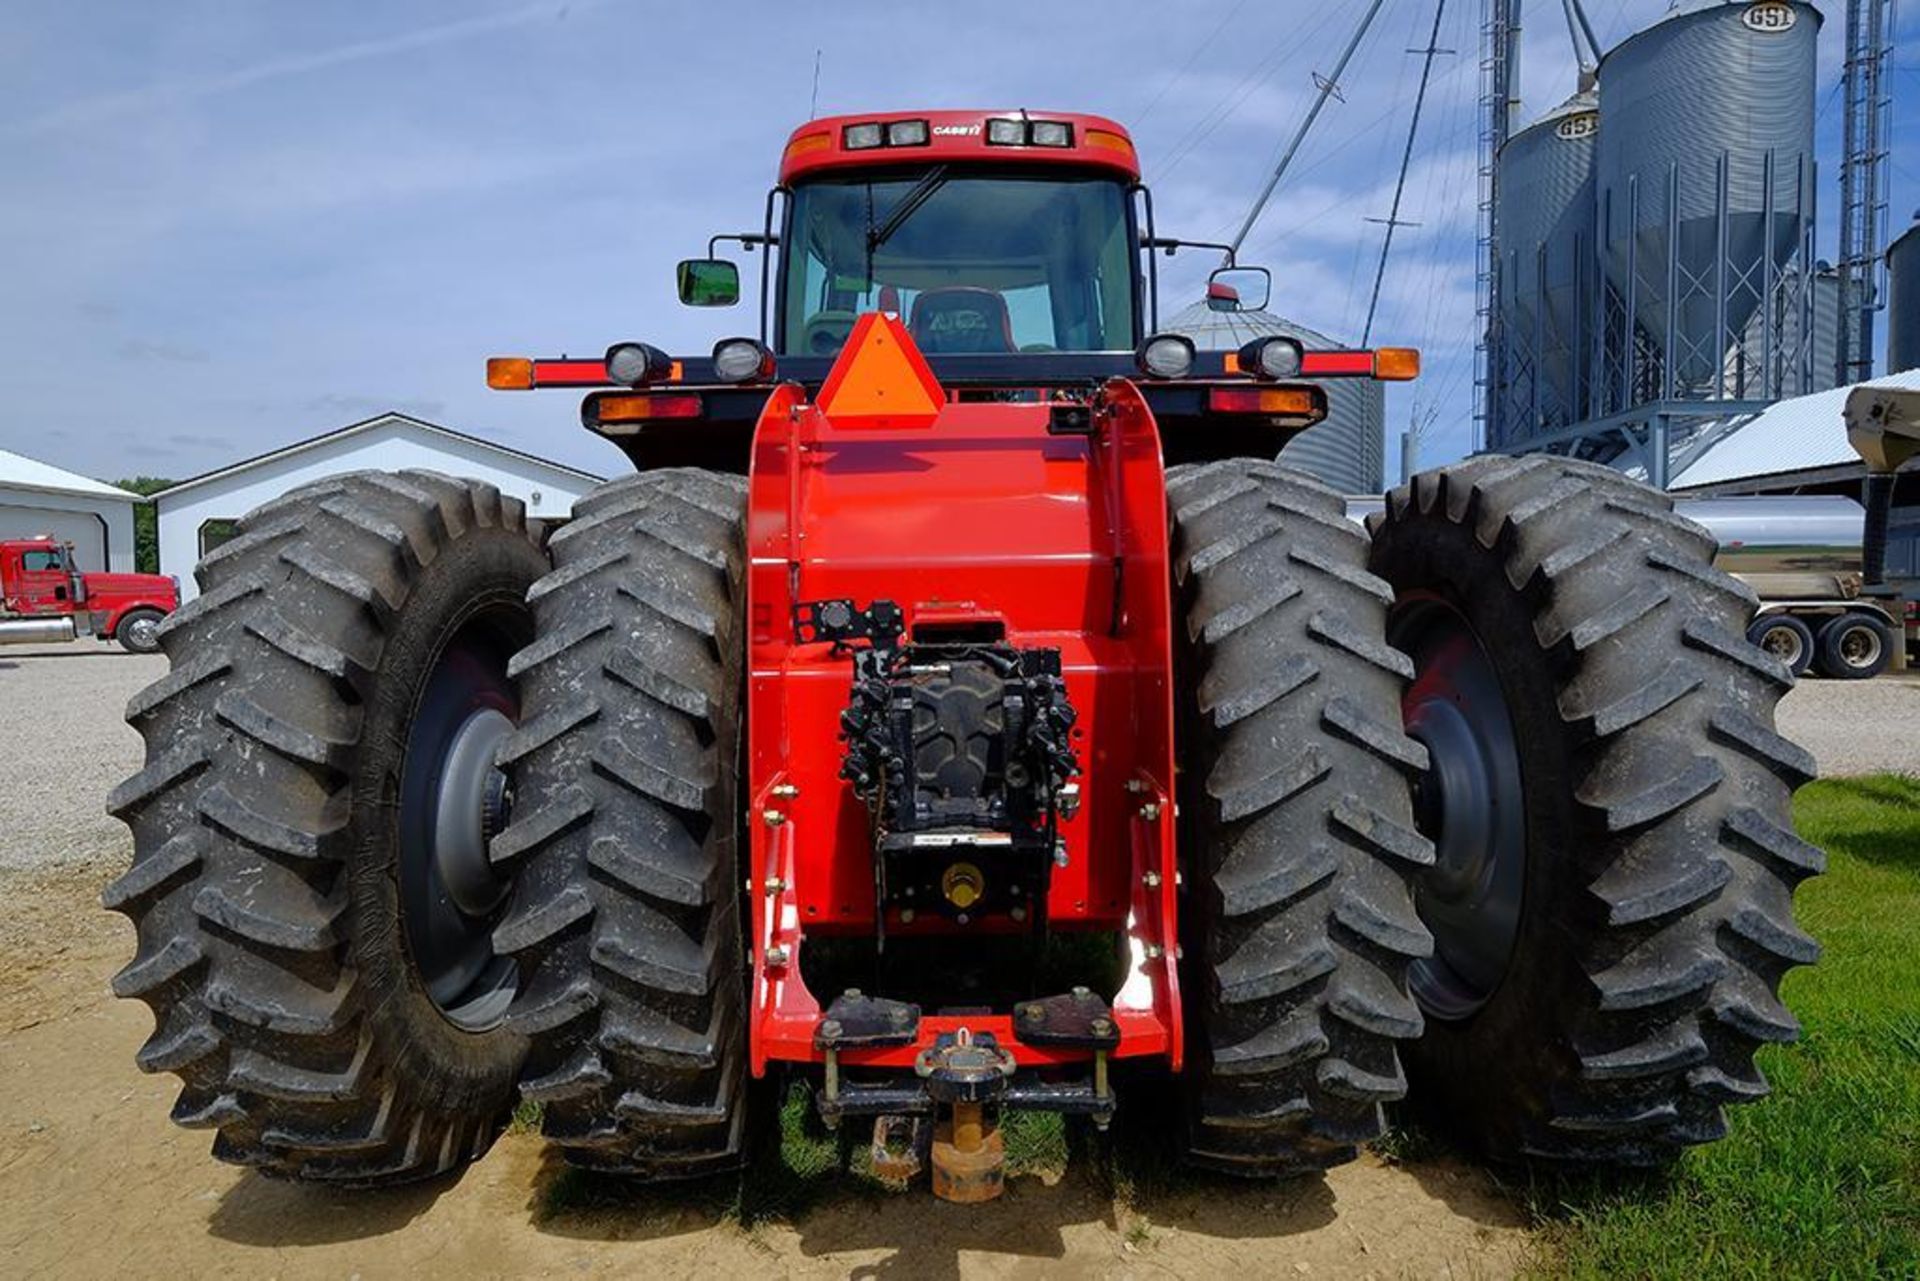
{"x":45,"y":597}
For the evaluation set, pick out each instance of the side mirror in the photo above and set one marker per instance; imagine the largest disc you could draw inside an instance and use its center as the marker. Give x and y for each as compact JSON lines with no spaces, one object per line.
{"x":708,"y":282}
{"x":1239,"y":289}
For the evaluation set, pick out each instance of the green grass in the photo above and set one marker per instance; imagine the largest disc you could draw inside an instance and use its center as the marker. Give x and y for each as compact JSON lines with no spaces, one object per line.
{"x":1823,"y":1178}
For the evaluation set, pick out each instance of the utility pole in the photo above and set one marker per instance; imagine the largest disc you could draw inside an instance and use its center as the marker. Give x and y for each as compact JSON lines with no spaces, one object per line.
{"x":1329,"y":86}
{"x":1406,"y":159}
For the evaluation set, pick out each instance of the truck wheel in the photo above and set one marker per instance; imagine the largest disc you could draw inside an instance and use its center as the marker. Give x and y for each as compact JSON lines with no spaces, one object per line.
{"x":1855,"y":647}
{"x":310,"y":883}
{"x":1612,"y":904}
{"x":138,"y":632}
{"x":1786,"y":638}
{"x":1296,"y":824}
{"x":627,"y":923}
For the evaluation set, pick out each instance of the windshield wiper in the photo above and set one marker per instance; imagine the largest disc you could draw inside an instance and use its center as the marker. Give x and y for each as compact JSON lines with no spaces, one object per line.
{"x":935,"y":179}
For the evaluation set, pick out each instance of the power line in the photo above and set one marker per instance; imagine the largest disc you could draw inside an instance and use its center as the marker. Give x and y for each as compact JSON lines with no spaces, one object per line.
{"x":1406,"y":159}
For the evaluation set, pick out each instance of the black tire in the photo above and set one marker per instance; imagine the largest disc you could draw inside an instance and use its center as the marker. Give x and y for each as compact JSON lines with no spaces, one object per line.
{"x":1296,"y":827}
{"x":1855,"y":647}
{"x":1787,"y":639}
{"x":267,"y":879}
{"x":627,"y":921}
{"x":1656,"y":847}
{"x":138,"y":632}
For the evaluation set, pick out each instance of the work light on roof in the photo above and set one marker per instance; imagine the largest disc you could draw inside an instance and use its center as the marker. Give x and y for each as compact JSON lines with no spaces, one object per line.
{"x":1051,"y":133}
{"x":860,"y":137}
{"x":907,"y":133}
{"x":1007,"y":133}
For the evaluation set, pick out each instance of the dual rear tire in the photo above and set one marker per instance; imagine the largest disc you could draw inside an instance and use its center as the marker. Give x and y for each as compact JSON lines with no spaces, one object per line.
{"x":1563,"y":899}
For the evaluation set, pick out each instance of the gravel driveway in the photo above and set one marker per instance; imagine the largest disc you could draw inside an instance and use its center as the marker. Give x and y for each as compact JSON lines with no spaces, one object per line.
{"x":64,"y":744}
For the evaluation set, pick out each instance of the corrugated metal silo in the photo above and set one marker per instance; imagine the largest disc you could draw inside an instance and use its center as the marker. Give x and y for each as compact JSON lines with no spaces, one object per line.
{"x":1713,"y":78}
{"x":1903,"y":302}
{"x":1347,"y":450}
{"x":1545,"y":225}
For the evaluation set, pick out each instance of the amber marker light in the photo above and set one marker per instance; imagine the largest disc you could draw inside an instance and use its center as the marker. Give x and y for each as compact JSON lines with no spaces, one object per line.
{"x":1396,"y":364}
{"x":510,"y":373}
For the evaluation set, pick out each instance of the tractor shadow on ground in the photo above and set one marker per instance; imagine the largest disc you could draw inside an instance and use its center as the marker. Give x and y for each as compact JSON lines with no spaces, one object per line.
{"x":260,"y":1211}
{"x":1061,"y":1178}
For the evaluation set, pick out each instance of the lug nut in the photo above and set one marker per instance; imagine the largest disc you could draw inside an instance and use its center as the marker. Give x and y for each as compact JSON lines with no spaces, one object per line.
{"x":787,"y":791}
{"x":775,"y":885}
{"x":773,"y":818}
{"x":777,"y":956}
{"x":1150,"y":811}
{"x":906,"y":916}
{"x":1151,"y":880}
{"x":1154,"y":951}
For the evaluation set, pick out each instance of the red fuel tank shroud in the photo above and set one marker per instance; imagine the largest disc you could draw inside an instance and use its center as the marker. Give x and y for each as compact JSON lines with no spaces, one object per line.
{"x":981,"y":514}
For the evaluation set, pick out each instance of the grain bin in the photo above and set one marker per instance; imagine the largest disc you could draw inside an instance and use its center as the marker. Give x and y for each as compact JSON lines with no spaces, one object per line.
{"x":1704,"y":181}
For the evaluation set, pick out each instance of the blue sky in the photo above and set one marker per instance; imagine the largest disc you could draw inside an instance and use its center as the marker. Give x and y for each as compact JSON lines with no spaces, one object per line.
{"x":228,"y":226}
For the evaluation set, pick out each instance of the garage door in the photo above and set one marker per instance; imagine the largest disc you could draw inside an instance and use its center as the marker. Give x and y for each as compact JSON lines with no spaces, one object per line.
{"x":83,"y":529}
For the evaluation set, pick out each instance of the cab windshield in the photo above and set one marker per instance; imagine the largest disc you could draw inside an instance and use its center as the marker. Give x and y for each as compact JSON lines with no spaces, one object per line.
{"x":973,"y":263}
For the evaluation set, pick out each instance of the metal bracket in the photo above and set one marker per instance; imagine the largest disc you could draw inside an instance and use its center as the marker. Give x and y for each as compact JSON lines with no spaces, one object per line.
{"x":1075,"y":1020}
{"x":840,"y":621}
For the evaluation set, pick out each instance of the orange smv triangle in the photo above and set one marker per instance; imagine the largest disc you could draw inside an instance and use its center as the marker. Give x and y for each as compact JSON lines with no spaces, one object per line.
{"x":881,"y":379}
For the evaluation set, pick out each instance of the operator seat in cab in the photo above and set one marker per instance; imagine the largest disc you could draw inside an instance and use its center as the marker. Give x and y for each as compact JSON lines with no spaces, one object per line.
{"x":961,"y":320}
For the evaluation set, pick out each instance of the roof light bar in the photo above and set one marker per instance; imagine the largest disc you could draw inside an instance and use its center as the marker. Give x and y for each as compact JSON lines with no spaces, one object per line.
{"x":869,"y":134}
{"x":1006,"y":131}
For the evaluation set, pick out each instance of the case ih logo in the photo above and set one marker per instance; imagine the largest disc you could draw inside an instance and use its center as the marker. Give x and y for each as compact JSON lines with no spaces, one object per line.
{"x":1770,"y":16}
{"x":955,"y":131}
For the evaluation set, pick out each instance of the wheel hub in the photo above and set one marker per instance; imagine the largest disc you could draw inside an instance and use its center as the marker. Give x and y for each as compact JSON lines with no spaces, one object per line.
{"x":472,"y":804}
{"x":453,"y":800}
{"x":1470,"y":804}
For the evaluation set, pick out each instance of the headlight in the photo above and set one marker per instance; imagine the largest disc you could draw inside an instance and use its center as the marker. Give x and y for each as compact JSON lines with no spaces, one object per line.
{"x":741,"y":360}
{"x":1271,"y":358}
{"x":637,"y":363}
{"x":1165,"y":356}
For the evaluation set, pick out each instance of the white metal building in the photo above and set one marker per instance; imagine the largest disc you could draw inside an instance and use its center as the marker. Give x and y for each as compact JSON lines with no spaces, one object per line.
{"x":197,"y":515}
{"x":37,"y":498}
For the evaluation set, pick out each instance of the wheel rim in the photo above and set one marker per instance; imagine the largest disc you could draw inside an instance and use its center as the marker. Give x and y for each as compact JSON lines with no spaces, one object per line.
{"x":1859,"y":646}
{"x":452,"y":800}
{"x":141,"y":630}
{"x":1784,"y":643}
{"x":1469,"y":803}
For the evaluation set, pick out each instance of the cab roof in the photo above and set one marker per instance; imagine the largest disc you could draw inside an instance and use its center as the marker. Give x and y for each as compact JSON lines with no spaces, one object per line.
{"x":1094,"y":142}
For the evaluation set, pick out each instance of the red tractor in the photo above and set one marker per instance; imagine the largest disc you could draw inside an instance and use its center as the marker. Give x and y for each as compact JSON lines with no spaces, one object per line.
{"x":958,"y":711}
{"x":46,"y":597}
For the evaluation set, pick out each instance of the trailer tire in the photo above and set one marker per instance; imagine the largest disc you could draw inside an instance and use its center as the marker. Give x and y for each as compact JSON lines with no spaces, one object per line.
{"x":1855,"y":647}
{"x":1606,"y":969}
{"x":138,"y":631}
{"x":1296,"y":831}
{"x":1785,"y":637}
{"x":627,"y":921}
{"x":326,"y":1021}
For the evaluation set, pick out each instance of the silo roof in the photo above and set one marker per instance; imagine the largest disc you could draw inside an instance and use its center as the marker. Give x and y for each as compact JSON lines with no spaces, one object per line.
{"x":1230,"y":330}
{"x":1687,"y":8}
{"x":1580,"y":104}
